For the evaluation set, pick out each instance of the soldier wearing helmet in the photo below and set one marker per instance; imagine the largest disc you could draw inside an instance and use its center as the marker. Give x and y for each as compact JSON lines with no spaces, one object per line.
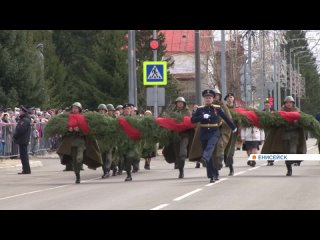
{"x":179,"y":146}
{"x":286,"y":140}
{"x":111,"y":110}
{"x":76,"y":108}
{"x":73,"y":146}
{"x":120,"y":109}
{"x":102,"y":108}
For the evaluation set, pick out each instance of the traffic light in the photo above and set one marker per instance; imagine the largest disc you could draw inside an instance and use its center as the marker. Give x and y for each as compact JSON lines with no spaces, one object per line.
{"x":154,"y":44}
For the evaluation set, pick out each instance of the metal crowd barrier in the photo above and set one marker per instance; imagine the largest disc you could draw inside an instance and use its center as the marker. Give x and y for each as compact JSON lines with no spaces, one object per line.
{"x":38,"y":145}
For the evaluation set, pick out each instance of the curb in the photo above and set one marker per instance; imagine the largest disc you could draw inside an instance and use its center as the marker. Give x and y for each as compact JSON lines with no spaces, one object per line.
{"x":19,"y":165}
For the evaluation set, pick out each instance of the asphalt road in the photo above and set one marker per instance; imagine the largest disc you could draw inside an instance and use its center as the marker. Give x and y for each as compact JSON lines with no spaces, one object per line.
{"x":262,"y":187}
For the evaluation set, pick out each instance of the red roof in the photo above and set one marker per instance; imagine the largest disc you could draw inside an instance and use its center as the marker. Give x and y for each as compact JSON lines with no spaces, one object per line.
{"x":183,"y":41}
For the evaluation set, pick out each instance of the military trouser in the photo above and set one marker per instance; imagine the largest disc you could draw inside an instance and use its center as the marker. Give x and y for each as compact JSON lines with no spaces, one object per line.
{"x":129,"y":158}
{"x":229,"y":151}
{"x":77,"y":150}
{"x":319,"y":146}
{"x":106,"y":161}
{"x":209,"y":140}
{"x":218,"y":154}
{"x":291,"y":142}
{"x":181,"y":151}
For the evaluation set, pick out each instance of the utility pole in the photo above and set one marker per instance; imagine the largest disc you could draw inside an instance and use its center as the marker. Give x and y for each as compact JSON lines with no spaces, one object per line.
{"x":278,"y":77}
{"x":275,"y":80}
{"x":134,"y":69}
{"x":223,"y":64}
{"x":155,"y":88}
{"x":130,"y":64}
{"x":249,"y":68}
{"x":197,"y":67}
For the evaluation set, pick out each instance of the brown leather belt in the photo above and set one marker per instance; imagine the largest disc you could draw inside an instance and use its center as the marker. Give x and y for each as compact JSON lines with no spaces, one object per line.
{"x":211,"y":125}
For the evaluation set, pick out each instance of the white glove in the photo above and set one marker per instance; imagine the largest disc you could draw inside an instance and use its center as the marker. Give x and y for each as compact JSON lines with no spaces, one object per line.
{"x":235,"y":130}
{"x":206,"y":116}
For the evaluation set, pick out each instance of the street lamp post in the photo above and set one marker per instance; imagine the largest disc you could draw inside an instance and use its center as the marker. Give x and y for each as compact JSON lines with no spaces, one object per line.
{"x":292,"y":49}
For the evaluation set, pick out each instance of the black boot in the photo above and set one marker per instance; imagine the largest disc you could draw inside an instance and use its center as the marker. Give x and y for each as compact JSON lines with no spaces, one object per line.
{"x":106,"y":174}
{"x":198,"y":165}
{"x":181,"y":173}
{"x":128,"y":178}
{"x":114,"y":172}
{"x":212,"y":180}
{"x":77,"y":177}
{"x":289,"y":170}
{"x":231,"y":170}
{"x":147,"y":164}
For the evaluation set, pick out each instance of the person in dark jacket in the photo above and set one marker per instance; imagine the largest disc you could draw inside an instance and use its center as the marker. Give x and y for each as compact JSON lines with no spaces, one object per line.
{"x":22,"y":137}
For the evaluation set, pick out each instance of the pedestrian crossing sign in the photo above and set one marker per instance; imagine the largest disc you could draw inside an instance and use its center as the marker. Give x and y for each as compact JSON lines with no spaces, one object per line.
{"x":155,"y":73}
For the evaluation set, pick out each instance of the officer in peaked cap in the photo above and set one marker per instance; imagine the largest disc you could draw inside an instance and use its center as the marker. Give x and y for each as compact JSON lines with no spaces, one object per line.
{"x":209,"y":117}
{"x":21,"y":136}
{"x":208,"y":92}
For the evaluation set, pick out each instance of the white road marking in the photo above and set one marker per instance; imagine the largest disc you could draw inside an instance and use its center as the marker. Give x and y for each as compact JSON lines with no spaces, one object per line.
{"x":160,"y":206}
{"x":221,"y":180}
{"x":253,"y":168}
{"x":238,"y":173}
{"x":43,"y":190}
{"x":187,"y":194}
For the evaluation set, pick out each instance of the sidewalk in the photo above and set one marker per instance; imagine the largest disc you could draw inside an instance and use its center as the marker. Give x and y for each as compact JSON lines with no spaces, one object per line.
{"x":35,"y":161}
{"x":16,"y":163}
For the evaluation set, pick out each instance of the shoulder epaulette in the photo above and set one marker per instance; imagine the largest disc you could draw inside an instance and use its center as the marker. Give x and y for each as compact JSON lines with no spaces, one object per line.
{"x":216,"y":106}
{"x":201,"y":106}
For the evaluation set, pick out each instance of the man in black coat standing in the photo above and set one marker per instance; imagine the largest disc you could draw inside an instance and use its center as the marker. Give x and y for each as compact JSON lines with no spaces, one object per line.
{"x":22,"y":136}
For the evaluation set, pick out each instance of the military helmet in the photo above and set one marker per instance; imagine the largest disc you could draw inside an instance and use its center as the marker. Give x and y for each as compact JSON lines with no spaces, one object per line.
{"x":180,"y":99}
{"x":102,"y":107}
{"x":119,"y":107}
{"x":77,"y":104}
{"x":289,"y":99}
{"x":216,"y":91}
{"x":110,"y":107}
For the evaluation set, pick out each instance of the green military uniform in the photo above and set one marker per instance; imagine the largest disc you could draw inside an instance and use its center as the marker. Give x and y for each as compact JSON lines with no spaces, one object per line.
{"x":290,"y":140}
{"x":79,"y":150}
{"x":231,"y":147}
{"x":225,"y":133}
{"x":179,"y":147}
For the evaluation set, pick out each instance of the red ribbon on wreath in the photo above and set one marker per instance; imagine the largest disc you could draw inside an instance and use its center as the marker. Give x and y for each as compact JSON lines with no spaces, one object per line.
{"x":251,"y":115}
{"x":289,"y":116}
{"x":131,"y":131}
{"x":173,"y":125}
{"x":78,"y":120}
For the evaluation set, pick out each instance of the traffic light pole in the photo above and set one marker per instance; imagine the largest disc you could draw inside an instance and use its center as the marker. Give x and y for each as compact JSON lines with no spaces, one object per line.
{"x":155,"y":88}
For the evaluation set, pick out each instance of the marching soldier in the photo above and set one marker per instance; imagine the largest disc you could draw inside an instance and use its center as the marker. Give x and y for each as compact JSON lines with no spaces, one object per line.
{"x":268,"y":108}
{"x":290,"y":140}
{"x":179,"y":147}
{"x":231,"y":147}
{"x":220,"y":152}
{"x":77,"y":146}
{"x":106,"y":155}
{"x":209,"y":117}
